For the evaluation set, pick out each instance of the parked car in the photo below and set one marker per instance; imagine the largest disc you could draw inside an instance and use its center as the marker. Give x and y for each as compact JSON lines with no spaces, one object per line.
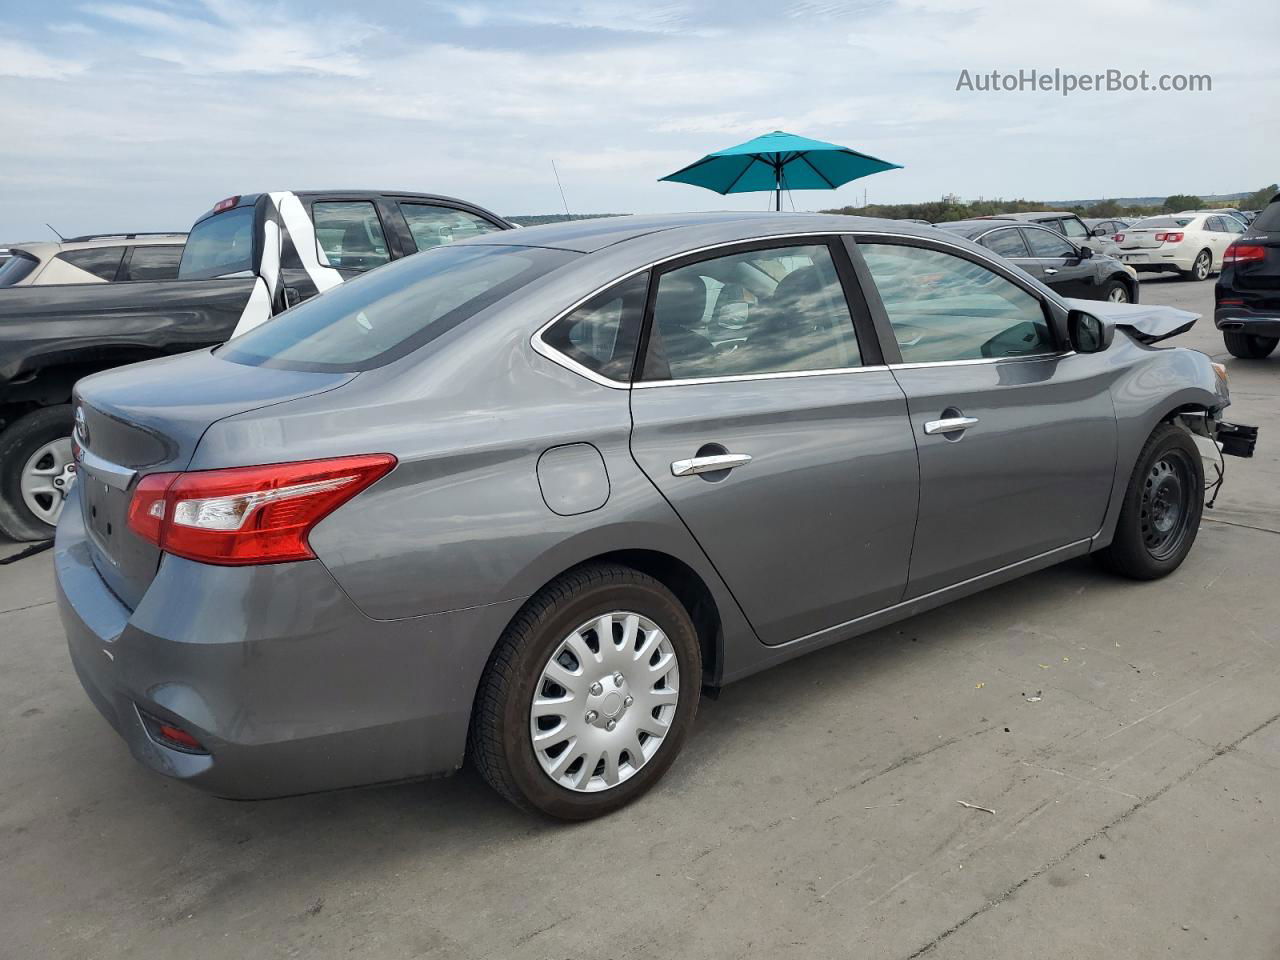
{"x":248,"y":258}
{"x":1103,"y":233}
{"x":1052,"y":259}
{"x":1065,"y":223}
{"x":1191,"y":243}
{"x":101,"y":258}
{"x":1247,"y":295}
{"x":523,"y":502}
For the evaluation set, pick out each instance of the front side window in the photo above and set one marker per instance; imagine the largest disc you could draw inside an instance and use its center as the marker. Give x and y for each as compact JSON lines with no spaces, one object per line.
{"x":601,"y":334}
{"x":349,"y":234}
{"x":777,"y":310}
{"x":153,"y":263}
{"x":1074,"y":229}
{"x":1046,"y":245}
{"x":219,"y":245}
{"x":1007,"y":243}
{"x":374,"y":319}
{"x":943,"y":307}
{"x":102,"y":262}
{"x":433,"y":226}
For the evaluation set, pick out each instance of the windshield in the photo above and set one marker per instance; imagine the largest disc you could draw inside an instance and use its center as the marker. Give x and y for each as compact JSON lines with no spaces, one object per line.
{"x":219,"y":245}
{"x":388,"y":312}
{"x":16,"y":267}
{"x":1158,"y":223}
{"x":1268,"y":220}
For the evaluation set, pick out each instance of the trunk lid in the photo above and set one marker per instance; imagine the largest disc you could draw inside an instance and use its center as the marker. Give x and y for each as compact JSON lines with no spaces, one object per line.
{"x":148,"y":418}
{"x":1143,"y":239}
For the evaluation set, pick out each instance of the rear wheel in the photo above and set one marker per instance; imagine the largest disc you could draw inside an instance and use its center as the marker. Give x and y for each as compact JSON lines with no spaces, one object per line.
{"x":1248,"y":346}
{"x":589,"y":695}
{"x":1160,"y":514}
{"x":36,"y":472}
{"x":1200,"y":267}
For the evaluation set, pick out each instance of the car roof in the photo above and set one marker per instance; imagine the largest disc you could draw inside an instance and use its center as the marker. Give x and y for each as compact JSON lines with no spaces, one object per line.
{"x":589,"y":236}
{"x":1030,"y":215}
{"x":249,"y":199}
{"x":44,"y":249}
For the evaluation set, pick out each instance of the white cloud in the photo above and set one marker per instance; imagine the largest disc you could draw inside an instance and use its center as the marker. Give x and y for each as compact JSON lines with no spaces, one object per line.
{"x":19,"y":60}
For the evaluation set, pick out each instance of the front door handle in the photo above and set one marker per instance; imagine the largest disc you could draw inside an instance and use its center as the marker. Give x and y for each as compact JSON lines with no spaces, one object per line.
{"x":948,"y":425}
{"x":696,"y":465}
{"x":1051,"y":270}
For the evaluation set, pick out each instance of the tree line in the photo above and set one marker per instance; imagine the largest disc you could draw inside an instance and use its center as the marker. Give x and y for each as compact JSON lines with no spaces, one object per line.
{"x":953,"y":208}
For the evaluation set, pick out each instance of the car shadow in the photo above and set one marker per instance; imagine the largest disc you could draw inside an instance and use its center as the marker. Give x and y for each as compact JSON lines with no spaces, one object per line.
{"x":449,"y":816}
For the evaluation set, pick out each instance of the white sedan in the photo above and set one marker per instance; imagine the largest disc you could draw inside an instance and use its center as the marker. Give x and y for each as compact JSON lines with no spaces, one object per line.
{"x":1191,"y":243}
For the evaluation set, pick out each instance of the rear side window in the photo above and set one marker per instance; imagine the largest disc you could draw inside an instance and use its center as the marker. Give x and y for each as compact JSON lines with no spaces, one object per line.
{"x":433,"y":226}
{"x":102,"y":262}
{"x":219,"y":245}
{"x":153,"y":263}
{"x":1269,"y":219}
{"x":17,"y":267}
{"x":777,"y":310}
{"x":374,"y":319}
{"x":943,"y":307}
{"x":601,"y":334}
{"x":1007,"y":243}
{"x":349,"y":234}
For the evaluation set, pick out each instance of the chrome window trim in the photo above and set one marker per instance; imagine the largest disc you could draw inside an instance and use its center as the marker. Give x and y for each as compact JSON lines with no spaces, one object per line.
{"x":741,"y":377}
{"x":547,"y":352}
{"x":1061,"y":355}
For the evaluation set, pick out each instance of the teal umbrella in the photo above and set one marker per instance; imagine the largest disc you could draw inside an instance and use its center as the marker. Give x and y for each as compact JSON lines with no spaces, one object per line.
{"x":779,"y":161}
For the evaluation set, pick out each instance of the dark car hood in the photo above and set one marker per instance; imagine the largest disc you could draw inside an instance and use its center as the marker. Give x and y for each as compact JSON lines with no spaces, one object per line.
{"x":1146,"y":323}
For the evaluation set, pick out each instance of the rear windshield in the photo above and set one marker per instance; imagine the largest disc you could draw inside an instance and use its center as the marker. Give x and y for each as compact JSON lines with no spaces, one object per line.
{"x":15,"y":268}
{"x":386,"y":313}
{"x":219,"y":245}
{"x":1267,"y":221}
{"x":1161,"y":223}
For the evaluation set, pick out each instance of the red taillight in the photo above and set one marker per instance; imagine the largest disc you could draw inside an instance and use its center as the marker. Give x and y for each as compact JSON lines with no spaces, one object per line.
{"x":1169,"y":237}
{"x":226,"y":204}
{"x":1244,"y":253}
{"x":247,"y":515}
{"x":179,"y":737}
{"x":1119,"y":238}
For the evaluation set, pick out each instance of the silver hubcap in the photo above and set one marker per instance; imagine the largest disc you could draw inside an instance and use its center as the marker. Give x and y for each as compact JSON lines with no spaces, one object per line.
{"x":1202,"y":266}
{"x":47,"y":478}
{"x":605,"y":702}
{"x":1118,"y":295}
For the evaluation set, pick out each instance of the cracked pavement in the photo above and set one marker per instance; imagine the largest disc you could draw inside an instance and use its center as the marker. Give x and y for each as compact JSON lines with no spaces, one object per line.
{"x":814,"y":813}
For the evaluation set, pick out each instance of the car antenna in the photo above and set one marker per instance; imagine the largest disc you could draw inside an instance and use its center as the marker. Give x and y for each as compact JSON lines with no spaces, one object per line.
{"x":61,"y":238}
{"x":561,"y":186}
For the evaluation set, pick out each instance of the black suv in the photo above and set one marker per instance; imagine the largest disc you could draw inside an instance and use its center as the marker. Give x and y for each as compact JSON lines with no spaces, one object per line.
{"x":1247,"y":297}
{"x":1052,"y":259}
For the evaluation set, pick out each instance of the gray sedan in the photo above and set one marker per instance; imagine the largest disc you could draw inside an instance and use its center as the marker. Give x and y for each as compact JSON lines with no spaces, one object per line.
{"x":522,"y":499}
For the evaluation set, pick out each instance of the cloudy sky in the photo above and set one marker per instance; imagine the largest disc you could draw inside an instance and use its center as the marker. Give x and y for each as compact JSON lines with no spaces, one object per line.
{"x":140,"y":114}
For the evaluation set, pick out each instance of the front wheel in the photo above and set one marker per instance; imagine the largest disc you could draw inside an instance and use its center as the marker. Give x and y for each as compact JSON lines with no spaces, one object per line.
{"x":36,"y":472}
{"x":1248,"y":346}
{"x":1116,"y":291}
{"x":1160,"y":513}
{"x":589,"y":695}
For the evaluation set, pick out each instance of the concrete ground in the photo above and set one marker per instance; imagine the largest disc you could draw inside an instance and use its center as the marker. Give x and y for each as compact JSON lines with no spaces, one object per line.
{"x":1133,"y":809}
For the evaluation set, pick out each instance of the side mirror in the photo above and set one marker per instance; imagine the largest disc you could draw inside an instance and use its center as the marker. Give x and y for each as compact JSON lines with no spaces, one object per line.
{"x":1089,"y":334}
{"x":1099,"y":231}
{"x":1086,"y":253}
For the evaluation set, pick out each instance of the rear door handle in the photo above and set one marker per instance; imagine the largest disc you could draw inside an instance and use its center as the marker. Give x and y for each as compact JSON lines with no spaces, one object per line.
{"x":948,"y":425}
{"x":696,"y":465}
{"x":1051,"y":270}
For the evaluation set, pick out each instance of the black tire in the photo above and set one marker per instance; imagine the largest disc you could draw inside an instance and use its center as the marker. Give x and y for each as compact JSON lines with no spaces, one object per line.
{"x":499,"y":742}
{"x":1142,"y":548}
{"x":1201,"y":267}
{"x":1249,"y":346}
{"x":1113,"y":287}
{"x":18,"y":442}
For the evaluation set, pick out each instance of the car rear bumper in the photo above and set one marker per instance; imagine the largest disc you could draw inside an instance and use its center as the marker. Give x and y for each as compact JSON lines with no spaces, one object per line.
{"x":273,"y":669}
{"x":1156,"y":258}
{"x":1240,"y":319}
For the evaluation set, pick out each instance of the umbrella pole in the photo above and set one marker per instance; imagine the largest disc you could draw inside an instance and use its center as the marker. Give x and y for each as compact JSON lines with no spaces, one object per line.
{"x":777,"y":193}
